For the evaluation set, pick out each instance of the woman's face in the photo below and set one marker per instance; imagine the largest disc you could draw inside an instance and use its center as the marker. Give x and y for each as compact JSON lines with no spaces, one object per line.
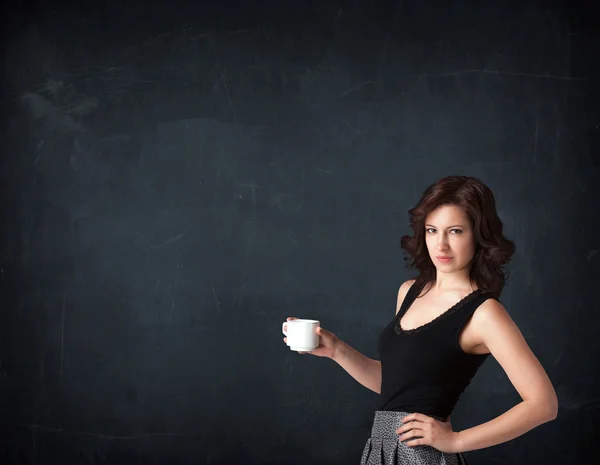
{"x":448,"y":232}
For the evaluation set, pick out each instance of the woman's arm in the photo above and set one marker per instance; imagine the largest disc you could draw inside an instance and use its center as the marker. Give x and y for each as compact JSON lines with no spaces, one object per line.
{"x":363,"y":369}
{"x":366,"y":371}
{"x":505,"y":342}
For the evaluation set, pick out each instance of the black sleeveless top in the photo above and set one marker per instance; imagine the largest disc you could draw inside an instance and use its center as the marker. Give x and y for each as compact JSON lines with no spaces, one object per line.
{"x":424,"y":369}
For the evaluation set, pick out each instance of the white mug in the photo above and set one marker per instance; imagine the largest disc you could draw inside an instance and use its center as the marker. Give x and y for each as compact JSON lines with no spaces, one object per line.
{"x":301,"y":334}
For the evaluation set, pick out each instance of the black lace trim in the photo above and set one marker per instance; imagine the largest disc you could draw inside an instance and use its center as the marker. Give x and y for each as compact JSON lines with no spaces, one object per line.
{"x":457,"y":306}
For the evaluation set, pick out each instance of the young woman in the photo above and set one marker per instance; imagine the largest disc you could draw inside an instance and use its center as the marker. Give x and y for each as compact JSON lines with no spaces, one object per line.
{"x":448,"y":321}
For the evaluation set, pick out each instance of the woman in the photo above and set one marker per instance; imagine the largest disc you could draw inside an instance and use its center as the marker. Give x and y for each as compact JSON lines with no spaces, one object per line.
{"x":448,"y":321}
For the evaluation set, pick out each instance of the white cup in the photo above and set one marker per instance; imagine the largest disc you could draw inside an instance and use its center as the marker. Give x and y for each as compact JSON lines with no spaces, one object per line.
{"x":301,"y":334}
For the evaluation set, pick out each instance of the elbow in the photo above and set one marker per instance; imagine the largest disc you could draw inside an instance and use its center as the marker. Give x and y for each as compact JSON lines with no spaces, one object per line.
{"x":552,"y":408}
{"x":545,"y":409}
{"x":554,"y":411}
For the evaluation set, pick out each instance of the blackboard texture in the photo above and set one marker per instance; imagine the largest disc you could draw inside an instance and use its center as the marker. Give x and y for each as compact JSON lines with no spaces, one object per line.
{"x":180,"y":177}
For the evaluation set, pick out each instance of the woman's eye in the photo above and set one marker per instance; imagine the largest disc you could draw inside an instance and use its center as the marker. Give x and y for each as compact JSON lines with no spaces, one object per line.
{"x":458,"y":231}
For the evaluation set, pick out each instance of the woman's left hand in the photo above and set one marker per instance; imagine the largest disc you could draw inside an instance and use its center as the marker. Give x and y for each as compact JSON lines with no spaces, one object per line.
{"x":429,"y":431}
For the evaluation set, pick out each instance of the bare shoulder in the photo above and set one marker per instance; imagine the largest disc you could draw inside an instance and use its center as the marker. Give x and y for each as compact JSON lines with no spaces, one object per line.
{"x":402,"y":293}
{"x":489,"y":317}
{"x":490,"y":310}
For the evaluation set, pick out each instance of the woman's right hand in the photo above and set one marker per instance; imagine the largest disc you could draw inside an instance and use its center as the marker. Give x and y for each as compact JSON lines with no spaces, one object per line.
{"x":328,"y":342}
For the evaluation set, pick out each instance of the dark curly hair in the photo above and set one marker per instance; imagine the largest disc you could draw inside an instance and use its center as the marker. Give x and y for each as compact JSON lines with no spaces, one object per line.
{"x":492,"y":250}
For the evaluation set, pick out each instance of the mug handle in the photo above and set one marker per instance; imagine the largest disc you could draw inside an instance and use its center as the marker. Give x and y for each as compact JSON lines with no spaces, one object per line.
{"x":283,"y":330}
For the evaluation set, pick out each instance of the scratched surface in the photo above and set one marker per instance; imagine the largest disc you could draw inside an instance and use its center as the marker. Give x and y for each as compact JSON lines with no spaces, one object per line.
{"x":176,"y":189}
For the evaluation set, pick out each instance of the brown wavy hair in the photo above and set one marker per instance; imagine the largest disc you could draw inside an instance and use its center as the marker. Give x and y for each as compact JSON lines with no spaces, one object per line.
{"x":492,"y":249}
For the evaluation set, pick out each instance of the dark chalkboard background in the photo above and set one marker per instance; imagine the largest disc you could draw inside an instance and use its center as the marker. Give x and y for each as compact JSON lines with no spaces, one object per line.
{"x":178,"y":179}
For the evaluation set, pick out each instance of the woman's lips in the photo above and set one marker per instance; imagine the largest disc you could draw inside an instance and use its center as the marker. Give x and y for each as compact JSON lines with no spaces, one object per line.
{"x":444,"y":260}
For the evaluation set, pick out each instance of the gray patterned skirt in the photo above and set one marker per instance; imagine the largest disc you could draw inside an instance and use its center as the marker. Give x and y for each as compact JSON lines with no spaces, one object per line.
{"x":385,"y":448}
